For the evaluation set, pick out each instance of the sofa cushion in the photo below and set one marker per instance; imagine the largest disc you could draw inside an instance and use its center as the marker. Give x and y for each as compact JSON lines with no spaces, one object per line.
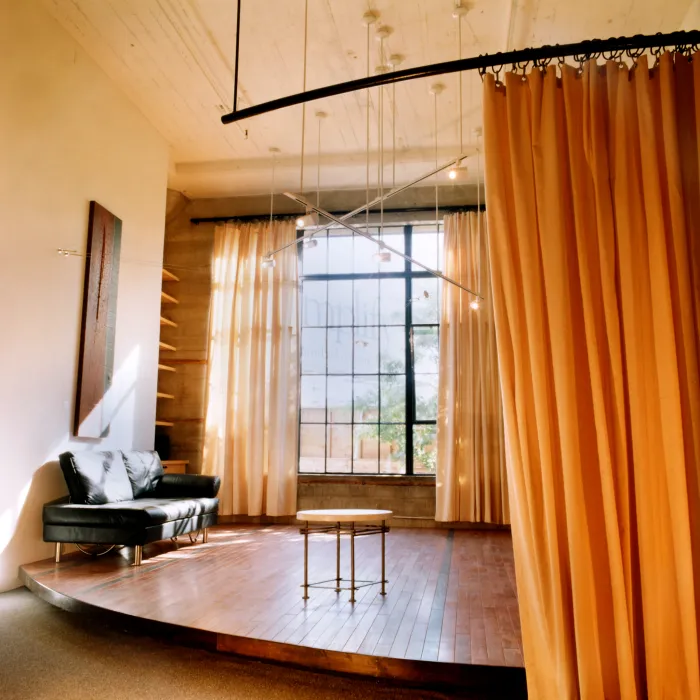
{"x":143,"y":512}
{"x":97,"y":477}
{"x":144,"y":470}
{"x":75,"y":488}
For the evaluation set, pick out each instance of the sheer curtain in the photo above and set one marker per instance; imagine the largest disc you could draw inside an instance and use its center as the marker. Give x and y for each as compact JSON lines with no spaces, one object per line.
{"x":251,"y":422}
{"x":471,"y":469}
{"x":594,"y":221}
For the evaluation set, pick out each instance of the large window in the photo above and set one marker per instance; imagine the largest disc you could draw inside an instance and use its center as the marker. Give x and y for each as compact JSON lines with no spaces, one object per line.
{"x":369,"y":354}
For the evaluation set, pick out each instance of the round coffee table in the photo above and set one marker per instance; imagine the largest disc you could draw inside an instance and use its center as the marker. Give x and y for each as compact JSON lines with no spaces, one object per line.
{"x":344,"y":521}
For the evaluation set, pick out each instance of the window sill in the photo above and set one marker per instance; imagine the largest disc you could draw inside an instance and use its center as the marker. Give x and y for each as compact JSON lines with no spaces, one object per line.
{"x":383,"y":479}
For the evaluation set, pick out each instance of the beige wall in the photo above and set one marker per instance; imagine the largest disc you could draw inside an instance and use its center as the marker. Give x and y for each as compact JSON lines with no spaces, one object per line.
{"x":67,"y":136}
{"x":411,"y":499}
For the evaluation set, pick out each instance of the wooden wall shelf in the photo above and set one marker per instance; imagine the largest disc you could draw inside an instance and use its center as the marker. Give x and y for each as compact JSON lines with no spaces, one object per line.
{"x":185,"y":420}
{"x":189,"y":362}
{"x":169,"y":276}
{"x":174,"y":466}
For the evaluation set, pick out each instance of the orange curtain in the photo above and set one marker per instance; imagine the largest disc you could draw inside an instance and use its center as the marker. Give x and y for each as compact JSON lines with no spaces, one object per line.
{"x":250,"y":438}
{"x":593,"y":205}
{"x":471,"y":480}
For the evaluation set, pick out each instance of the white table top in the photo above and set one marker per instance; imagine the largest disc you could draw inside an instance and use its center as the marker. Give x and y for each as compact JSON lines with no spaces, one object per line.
{"x":343,"y":515}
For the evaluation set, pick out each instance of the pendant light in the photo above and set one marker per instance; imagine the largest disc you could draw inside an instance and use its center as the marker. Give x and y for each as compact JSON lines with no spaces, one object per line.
{"x":382,"y":255}
{"x":311,"y":218}
{"x":395,"y":60}
{"x":436,"y":89}
{"x":368,"y":19}
{"x":474,"y":303}
{"x":268,"y":261}
{"x":459,"y":171}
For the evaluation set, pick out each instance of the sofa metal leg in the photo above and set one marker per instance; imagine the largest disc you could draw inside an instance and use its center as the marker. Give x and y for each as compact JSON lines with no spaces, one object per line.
{"x":59,"y":548}
{"x":138,"y":554}
{"x":205,"y":535}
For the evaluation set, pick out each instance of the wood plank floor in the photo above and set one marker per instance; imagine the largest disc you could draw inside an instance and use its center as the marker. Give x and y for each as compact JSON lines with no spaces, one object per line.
{"x":450,"y":598}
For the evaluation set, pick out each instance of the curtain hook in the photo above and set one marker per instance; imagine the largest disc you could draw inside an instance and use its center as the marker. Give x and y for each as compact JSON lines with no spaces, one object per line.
{"x":497,"y":73}
{"x":633,"y":55}
{"x":656,"y":52}
{"x":521,"y":67}
{"x":580,"y":58}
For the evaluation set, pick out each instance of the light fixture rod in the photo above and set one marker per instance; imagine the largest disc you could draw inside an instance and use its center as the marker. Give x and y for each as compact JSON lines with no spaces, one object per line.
{"x":305,"y":202}
{"x":582,"y":50}
{"x":374,"y":202}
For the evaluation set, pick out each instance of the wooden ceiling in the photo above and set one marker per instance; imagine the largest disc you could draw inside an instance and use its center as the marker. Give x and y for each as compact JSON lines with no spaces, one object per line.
{"x":175,"y":60}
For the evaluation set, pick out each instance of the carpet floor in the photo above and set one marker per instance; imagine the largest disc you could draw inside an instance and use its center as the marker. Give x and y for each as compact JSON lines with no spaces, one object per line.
{"x":48,"y":653}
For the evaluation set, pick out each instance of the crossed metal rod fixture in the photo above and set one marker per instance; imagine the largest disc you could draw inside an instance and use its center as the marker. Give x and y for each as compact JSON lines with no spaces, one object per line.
{"x":369,"y":205}
{"x":306,"y":203}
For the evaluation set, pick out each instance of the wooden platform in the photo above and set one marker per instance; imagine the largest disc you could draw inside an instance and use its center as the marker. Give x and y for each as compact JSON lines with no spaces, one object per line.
{"x":450,"y":615}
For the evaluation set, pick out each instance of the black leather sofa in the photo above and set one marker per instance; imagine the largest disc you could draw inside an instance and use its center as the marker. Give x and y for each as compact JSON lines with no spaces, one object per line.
{"x":124,"y":498}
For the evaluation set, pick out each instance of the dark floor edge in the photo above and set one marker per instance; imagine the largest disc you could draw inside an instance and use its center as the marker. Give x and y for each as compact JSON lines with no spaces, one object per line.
{"x":501,"y":681}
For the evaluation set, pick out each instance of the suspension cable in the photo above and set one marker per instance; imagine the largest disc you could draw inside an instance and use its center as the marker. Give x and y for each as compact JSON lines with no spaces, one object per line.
{"x":303,"y":106}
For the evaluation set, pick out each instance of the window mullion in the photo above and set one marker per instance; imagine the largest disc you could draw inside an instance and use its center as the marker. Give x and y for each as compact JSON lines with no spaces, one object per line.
{"x":410,"y":385}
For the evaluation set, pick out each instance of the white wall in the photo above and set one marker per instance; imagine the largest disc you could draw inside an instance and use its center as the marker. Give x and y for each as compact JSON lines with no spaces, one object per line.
{"x":67,"y":136}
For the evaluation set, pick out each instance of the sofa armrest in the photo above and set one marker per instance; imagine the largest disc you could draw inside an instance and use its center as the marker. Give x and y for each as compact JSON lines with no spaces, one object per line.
{"x":187,"y":486}
{"x":62,"y":511}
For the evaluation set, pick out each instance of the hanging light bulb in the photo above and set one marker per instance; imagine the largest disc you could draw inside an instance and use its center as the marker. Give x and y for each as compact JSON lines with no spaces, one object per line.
{"x":308,"y":220}
{"x":267,"y":261}
{"x":382,"y":256}
{"x":474,"y":304}
{"x":458,"y":172}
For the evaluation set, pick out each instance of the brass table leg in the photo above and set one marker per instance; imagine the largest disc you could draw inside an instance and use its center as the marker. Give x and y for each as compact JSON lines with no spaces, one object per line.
{"x":337,"y":560}
{"x":383,"y":557}
{"x":352,"y":564}
{"x":138,"y":555}
{"x":306,"y":562}
{"x":59,"y":547}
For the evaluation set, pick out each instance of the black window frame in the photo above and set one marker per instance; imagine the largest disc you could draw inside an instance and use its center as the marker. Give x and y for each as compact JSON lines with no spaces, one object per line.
{"x":408,"y":274}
